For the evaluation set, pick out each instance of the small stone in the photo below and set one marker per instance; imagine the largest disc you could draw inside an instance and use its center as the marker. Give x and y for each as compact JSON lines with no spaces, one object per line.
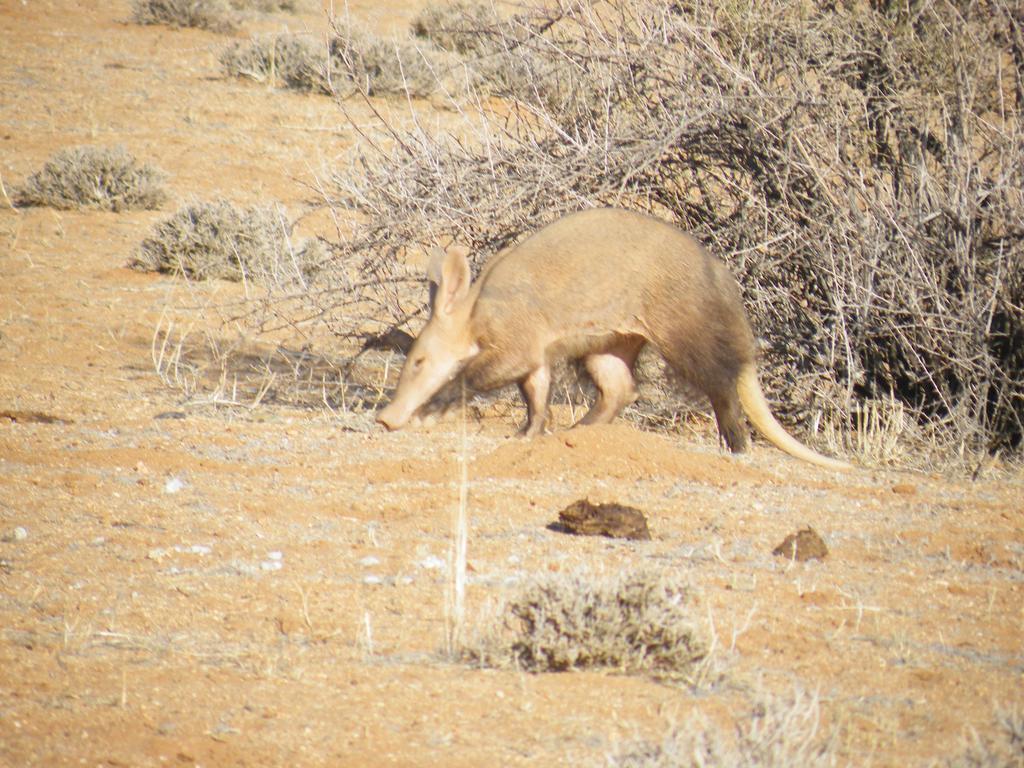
{"x":904,"y":489}
{"x":16,"y":534}
{"x":431,"y":563}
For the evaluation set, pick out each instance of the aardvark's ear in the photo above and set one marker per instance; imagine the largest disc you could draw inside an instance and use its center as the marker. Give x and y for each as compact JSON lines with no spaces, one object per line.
{"x":449,"y":276}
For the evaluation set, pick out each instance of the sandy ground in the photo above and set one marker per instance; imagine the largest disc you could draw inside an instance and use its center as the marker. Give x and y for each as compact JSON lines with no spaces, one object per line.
{"x":183,"y":585}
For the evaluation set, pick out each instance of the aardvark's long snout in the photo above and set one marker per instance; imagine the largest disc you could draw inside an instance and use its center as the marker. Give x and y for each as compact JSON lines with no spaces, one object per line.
{"x":396,"y":414}
{"x":390,"y":420}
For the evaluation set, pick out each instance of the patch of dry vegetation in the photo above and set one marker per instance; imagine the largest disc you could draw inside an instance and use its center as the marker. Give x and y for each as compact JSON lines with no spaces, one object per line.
{"x":376,"y":66}
{"x":460,"y":27}
{"x":266,"y":6}
{"x":292,"y":61}
{"x":1006,"y":750}
{"x":219,"y":240}
{"x":214,"y":15}
{"x":354,"y":60}
{"x":860,"y":168}
{"x":636,"y":622}
{"x":776,"y":734}
{"x":107,"y":178}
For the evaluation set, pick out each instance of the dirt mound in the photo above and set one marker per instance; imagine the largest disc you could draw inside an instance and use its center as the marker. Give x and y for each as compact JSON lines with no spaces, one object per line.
{"x":617,"y":451}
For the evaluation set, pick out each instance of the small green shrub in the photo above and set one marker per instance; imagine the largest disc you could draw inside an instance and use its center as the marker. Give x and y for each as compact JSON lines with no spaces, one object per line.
{"x":107,"y":178}
{"x":219,"y":240}
{"x":635,"y":622}
{"x":214,"y":15}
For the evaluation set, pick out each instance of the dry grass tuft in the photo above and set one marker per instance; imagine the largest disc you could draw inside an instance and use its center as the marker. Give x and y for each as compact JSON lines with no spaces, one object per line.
{"x":777,"y":734}
{"x":218,"y":240}
{"x":1004,"y":751}
{"x":214,"y":15}
{"x":108,"y":178}
{"x":636,"y":622}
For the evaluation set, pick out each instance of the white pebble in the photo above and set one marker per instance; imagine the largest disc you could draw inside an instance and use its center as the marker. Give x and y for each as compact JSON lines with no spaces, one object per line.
{"x":369,"y":561}
{"x":431,"y":563}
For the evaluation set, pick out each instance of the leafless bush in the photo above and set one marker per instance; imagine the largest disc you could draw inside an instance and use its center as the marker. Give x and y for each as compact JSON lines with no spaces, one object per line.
{"x":859,"y":167}
{"x":108,"y":178}
{"x":777,"y":734}
{"x":214,"y":15}
{"x":635,"y":622}
{"x":218,"y":240}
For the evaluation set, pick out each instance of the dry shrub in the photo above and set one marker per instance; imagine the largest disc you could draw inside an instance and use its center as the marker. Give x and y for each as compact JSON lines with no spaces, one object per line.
{"x":266,"y":6}
{"x":218,"y":240}
{"x":354,"y":60}
{"x":214,"y":15}
{"x":861,"y":169}
{"x":635,"y":622}
{"x":776,"y":734}
{"x":459,"y":27}
{"x":1006,"y":750}
{"x":292,"y":61}
{"x":366,"y":63}
{"x":108,"y":178}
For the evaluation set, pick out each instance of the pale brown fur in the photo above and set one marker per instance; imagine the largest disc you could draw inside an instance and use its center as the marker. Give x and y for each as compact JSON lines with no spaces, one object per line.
{"x":598,"y":286}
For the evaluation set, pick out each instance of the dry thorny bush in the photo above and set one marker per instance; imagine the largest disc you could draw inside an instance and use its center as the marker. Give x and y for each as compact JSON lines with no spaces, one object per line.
{"x":859,"y":166}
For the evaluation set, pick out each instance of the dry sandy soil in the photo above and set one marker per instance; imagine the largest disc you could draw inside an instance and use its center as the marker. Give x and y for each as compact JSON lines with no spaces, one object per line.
{"x":232,"y":586}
